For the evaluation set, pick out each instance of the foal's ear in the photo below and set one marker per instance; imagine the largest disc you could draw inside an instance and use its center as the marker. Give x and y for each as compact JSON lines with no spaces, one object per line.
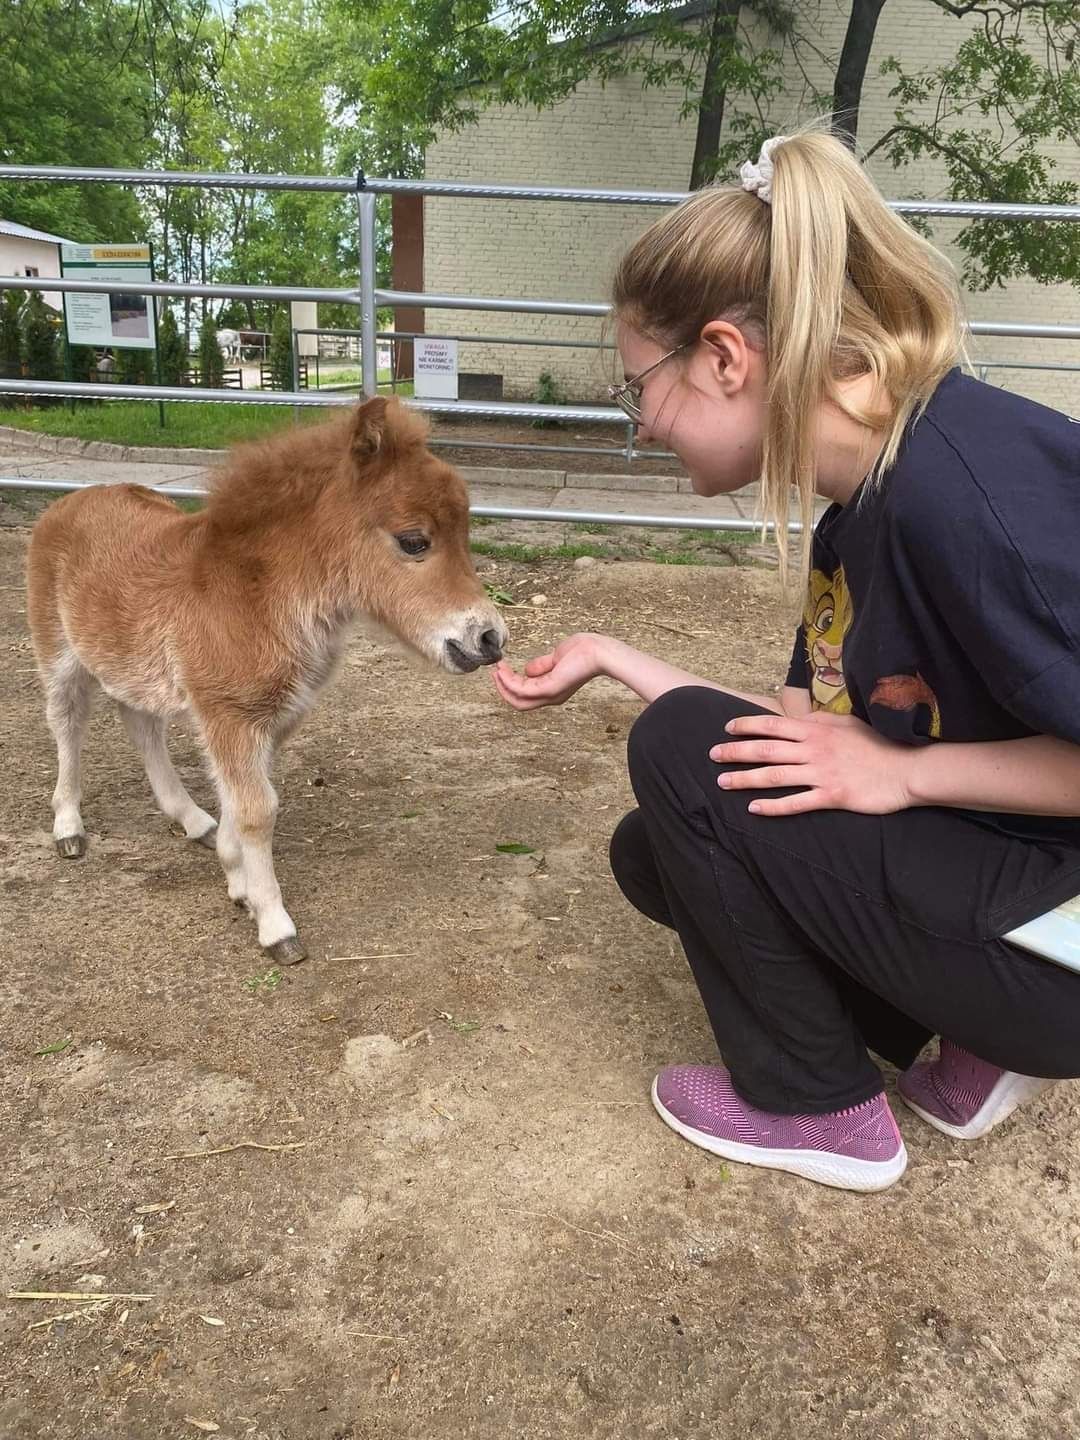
{"x":368,"y":426}
{"x":385,"y":426}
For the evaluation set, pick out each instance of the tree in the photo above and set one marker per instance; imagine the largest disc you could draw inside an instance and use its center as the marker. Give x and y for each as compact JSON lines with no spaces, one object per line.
{"x":11,"y":334}
{"x":67,"y":100}
{"x":41,"y":350}
{"x":134,"y":367}
{"x":281,"y":352}
{"x":990,"y":113}
{"x":172,"y":354}
{"x":11,"y":305}
{"x":211,"y":360}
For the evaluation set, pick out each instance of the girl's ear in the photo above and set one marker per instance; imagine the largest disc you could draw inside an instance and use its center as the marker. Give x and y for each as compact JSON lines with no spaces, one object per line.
{"x":727,"y":352}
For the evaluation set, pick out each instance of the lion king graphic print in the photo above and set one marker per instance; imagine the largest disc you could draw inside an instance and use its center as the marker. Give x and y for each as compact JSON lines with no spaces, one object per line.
{"x":827,"y":618}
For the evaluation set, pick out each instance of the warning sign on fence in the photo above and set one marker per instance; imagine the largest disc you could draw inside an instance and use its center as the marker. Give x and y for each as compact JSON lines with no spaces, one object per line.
{"x":435,"y":366}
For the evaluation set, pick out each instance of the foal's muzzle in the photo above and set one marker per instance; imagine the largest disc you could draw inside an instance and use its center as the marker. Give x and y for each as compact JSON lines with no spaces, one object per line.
{"x":481,"y":644}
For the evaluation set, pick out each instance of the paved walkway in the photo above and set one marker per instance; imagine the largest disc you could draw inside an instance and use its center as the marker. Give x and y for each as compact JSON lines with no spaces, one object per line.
{"x":632,"y":494}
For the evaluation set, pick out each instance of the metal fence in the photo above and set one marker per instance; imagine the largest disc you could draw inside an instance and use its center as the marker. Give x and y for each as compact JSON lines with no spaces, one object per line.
{"x":368,"y":297}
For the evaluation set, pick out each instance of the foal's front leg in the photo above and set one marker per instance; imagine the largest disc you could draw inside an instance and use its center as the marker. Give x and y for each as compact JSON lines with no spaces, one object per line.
{"x":240,"y":758}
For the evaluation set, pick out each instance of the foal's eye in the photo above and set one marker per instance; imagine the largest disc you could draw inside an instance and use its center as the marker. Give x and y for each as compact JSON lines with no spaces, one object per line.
{"x":413,"y":543}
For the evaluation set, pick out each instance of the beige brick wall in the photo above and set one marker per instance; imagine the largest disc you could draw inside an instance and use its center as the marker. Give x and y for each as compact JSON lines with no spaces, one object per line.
{"x":625,"y":137}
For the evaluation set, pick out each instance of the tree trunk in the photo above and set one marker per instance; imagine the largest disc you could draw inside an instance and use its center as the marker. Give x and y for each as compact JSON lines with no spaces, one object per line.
{"x":851,"y":71}
{"x":722,"y":39}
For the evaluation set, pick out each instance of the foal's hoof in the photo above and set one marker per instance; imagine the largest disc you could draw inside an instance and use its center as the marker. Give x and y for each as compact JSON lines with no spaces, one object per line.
{"x":71,"y":847}
{"x":286,"y":952}
{"x":208,"y":838}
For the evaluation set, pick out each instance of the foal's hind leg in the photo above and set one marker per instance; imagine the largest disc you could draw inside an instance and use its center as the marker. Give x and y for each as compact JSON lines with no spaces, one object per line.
{"x":67,"y":709}
{"x":147,"y":734}
{"x":241,"y":763}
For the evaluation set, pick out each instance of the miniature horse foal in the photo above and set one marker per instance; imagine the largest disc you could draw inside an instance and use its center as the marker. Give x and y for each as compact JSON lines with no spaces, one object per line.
{"x":237,"y":615}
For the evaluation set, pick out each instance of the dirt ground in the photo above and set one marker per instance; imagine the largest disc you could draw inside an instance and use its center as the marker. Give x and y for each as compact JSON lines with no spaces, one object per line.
{"x":472,"y":1224}
{"x":498,"y":435}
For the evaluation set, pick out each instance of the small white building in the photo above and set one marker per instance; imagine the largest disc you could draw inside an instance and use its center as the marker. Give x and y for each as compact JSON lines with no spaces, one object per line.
{"x":31,"y":252}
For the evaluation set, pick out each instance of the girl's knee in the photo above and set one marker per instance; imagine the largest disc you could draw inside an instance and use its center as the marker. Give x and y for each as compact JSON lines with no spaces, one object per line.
{"x":628,"y":845}
{"x":634,"y":868}
{"x":689,"y":716}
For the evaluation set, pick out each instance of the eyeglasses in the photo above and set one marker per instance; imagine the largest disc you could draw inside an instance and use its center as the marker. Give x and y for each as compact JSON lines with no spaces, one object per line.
{"x":628,"y":395}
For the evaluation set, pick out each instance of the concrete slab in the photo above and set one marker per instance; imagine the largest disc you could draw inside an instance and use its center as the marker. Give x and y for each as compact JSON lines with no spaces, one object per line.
{"x":629,"y":484}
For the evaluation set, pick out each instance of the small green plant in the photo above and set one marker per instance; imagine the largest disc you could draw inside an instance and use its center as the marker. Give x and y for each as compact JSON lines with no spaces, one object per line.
{"x":463,"y":1027}
{"x":497,"y":596}
{"x":515,"y":847}
{"x":55,"y":1048}
{"x":548,"y":392}
{"x":266,"y":983}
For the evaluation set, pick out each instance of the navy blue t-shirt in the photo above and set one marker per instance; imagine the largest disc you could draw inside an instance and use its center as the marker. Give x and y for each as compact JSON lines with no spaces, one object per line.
{"x":944,"y":601}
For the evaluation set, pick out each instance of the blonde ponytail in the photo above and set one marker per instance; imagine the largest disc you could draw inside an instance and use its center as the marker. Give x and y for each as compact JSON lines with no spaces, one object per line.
{"x":826,"y":278}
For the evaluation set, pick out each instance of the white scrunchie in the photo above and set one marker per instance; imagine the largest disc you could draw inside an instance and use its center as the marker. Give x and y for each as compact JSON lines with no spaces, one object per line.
{"x":758,"y":177}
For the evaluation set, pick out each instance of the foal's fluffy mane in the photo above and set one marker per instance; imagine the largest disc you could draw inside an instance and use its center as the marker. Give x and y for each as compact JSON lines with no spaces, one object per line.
{"x":289,"y":470}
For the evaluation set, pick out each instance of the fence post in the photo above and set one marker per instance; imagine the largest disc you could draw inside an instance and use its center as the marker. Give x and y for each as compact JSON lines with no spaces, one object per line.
{"x":369,"y":359}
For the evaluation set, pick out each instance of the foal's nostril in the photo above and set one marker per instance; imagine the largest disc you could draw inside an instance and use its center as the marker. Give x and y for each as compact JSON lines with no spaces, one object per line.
{"x":491,"y":646}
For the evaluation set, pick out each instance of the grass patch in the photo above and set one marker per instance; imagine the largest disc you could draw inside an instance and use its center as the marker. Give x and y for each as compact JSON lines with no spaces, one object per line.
{"x":200,"y":424}
{"x":135,"y":422}
{"x":528,"y":554}
{"x":692,"y":548}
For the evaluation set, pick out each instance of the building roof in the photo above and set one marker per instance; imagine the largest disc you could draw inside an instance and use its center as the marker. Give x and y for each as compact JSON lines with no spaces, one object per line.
{"x":24,"y":232}
{"x":644,"y":23}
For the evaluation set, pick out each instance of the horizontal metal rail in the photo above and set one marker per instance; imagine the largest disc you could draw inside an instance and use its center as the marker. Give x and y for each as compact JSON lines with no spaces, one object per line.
{"x":350,"y":184}
{"x":211,"y":179}
{"x":467,"y":339}
{"x":489,"y":512}
{"x":421,"y":300}
{"x":69,"y":284}
{"x":956,"y":209}
{"x":312,"y":399}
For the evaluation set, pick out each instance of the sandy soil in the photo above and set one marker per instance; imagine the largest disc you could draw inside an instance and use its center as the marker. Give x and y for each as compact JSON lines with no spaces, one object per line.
{"x":474,"y":1224}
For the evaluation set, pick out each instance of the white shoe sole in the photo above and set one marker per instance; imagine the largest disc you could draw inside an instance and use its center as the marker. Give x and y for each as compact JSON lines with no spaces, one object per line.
{"x":1009,"y":1091}
{"x":826,"y":1169}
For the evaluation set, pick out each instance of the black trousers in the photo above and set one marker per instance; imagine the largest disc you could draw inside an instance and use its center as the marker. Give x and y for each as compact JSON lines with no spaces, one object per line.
{"x":817,"y":938}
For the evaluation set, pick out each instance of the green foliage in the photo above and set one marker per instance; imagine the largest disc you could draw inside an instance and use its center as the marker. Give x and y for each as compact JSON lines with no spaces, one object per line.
{"x":548,"y":392}
{"x":989,"y":114}
{"x":211,"y":360}
{"x":81,"y":362}
{"x":281,"y":357}
{"x":41,"y":348}
{"x":134,"y":367}
{"x":172,"y":356}
{"x":11,"y":306}
{"x":75,"y":92}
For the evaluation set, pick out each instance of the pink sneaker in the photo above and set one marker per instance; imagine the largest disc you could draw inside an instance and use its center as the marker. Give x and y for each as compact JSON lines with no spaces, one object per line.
{"x":963,"y":1096}
{"x":856,"y":1149}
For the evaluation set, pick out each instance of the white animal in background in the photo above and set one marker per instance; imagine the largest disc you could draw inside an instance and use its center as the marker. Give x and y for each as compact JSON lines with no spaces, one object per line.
{"x":229,"y":343}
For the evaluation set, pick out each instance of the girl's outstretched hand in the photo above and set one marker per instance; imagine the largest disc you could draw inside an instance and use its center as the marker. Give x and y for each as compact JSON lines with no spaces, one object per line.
{"x":552,"y":678}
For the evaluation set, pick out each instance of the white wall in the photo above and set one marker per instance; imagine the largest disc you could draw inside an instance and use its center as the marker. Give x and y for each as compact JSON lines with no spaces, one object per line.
{"x":16,"y":254}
